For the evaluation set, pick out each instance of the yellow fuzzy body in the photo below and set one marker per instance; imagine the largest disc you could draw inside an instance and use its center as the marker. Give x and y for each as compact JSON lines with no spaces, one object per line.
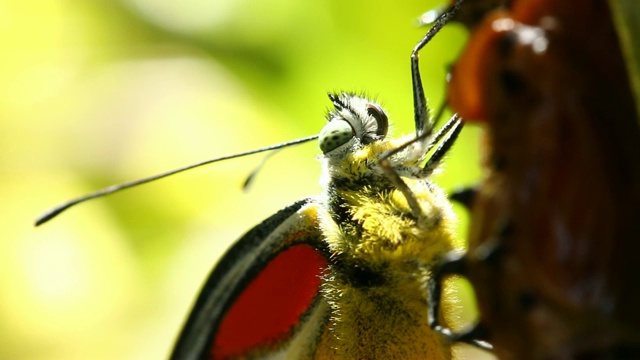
{"x":382,"y":256}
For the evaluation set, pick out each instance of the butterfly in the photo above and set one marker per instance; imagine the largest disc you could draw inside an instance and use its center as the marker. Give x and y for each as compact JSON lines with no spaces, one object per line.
{"x":344,"y":274}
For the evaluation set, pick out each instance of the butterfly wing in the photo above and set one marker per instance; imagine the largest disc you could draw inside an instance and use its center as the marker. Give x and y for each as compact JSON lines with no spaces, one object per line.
{"x":254,"y":299}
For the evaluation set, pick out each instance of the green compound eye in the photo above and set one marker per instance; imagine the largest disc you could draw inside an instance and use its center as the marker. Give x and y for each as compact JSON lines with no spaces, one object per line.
{"x":334,"y":134}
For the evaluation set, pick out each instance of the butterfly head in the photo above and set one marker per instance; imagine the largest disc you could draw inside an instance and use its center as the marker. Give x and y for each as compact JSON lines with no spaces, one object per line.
{"x":354,"y":121}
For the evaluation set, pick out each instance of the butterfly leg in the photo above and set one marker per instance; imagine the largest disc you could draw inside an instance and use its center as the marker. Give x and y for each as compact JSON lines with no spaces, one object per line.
{"x":453,"y":264}
{"x":421,"y":113}
{"x":447,"y":135}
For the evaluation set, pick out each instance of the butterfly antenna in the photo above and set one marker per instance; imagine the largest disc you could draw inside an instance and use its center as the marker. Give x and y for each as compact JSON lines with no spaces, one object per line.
{"x":250,"y":178}
{"x":115,"y":188}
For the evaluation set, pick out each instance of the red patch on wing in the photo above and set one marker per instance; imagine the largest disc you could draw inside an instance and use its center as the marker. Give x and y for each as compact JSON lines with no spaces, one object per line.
{"x":272,"y":303}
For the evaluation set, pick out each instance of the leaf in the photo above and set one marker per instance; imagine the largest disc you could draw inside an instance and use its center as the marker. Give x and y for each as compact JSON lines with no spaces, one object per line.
{"x":626,"y":17}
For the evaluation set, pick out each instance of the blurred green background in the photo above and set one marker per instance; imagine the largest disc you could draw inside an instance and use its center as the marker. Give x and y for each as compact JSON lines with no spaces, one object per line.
{"x":100,"y":92}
